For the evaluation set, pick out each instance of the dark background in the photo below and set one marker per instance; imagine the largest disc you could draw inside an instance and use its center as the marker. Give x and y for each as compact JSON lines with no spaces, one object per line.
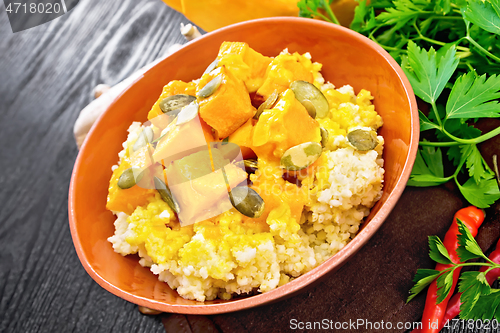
{"x":47,"y":75}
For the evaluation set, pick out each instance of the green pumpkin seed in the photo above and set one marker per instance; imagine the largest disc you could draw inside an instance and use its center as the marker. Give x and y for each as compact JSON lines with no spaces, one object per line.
{"x":145,"y":137}
{"x":130,"y":177}
{"x":268,"y":104}
{"x":305,"y":91}
{"x":212,"y":66}
{"x":247,"y":201}
{"x":362,"y":139}
{"x":311,"y":109}
{"x":187,"y":113}
{"x":324,"y":136}
{"x":166,"y":195}
{"x":173,"y":103}
{"x":210,"y":87}
{"x":301,"y":156}
{"x":250,"y":163}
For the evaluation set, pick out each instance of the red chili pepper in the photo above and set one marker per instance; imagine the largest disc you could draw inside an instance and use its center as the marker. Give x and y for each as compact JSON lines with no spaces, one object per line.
{"x":432,"y":318}
{"x":454,"y":305}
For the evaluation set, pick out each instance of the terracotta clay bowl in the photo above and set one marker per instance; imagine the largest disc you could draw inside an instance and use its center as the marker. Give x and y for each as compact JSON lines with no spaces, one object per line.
{"x":347,"y":58}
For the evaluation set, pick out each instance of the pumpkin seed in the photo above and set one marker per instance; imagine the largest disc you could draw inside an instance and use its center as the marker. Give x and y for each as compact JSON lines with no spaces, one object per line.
{"x":145,"y":137}
{"x":301,"y":156}
{"x":324,"y":136}
{"x":212,"y":66}
{"x":247,"y":201}
{"x":210,"y":87}
{"x":362,"y":139}
{"x":268,"y":104}
{"x":311,"y":109}
{"x":130,"y":177}
{"x":305,"y":91}
{"x":250,"y":163}
{"x":166,"y":195}
{"x":175,"y":102}
{"x":188,"y":113}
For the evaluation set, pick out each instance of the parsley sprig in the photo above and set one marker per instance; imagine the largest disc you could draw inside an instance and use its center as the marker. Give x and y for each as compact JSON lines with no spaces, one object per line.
{"x":479,"y":300}
{"x":317,"y":8}
{"x":471,"y":97}
{"x":450,"y":52}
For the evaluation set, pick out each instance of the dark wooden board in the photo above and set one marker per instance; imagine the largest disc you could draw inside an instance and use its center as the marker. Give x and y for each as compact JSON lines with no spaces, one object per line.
{"x":46,"y":77}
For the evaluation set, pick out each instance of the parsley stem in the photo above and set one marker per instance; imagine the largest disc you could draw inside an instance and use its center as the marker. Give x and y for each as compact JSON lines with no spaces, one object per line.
{"x":476,"y":140}
{"x":331,"y":14}
{"x":434,"y":41}
{"x":492,"y":264}
{"x":457,"y":171}
{"x":482,"y":49}
{"x":323,"y":17}
{"x":439,"y":144}
{"x":436,"y":114}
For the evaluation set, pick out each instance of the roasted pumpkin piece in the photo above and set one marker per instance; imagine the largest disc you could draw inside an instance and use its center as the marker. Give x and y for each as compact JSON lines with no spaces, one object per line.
{"x":201,"y":193}
{"x":276,"y":191}
{"x":126,"y":200}
{"x":245,"y":63}
{"x":283,"y":70}
{"x":179,"y":140}
{"x":243,"y":138}
{"x":172,"y":88}
{"x":227,"y":107}
{"x":286,"y":125}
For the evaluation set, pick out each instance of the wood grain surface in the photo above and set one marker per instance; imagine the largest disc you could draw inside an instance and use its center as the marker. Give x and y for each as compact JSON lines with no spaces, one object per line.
{"x":47,"y":75}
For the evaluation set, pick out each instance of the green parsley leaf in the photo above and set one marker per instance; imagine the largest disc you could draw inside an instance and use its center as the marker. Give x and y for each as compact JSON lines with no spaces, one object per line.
{"x":364,"y":17}
{"x":442,"y":7}
{"x":429,"y":71}
{"x":444,"y":284}
{"x":474,"y":97}
{"x":467,"y":245}
{"x":307,"y":8}
{"x":425,"y":123}
{"x":422,"y":279}
{"x":311,"y":9}
{"x":484,"y":14}
{"x":481,"y":195}
{"x":472,"y":285}
{"x":426,"y":173}
{"x":438,"y":252}
{"x":434,"y":159}
{"x":402,"y":12}
{"x":477,"y":166}
{"x":486,"y":307}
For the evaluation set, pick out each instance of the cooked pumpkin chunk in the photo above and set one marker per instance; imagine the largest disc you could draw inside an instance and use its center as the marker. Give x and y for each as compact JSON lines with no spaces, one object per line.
{"x":245,"y":63}
{"x":229,"y":106}
{"x":120,"y":200}
{"x":283,"y":70}
{"x":201,"y":193}
{"x":172,"y":88}
{"x":243,"y":138}
{"x":286,"y":125}
{"x":182,"y":139}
